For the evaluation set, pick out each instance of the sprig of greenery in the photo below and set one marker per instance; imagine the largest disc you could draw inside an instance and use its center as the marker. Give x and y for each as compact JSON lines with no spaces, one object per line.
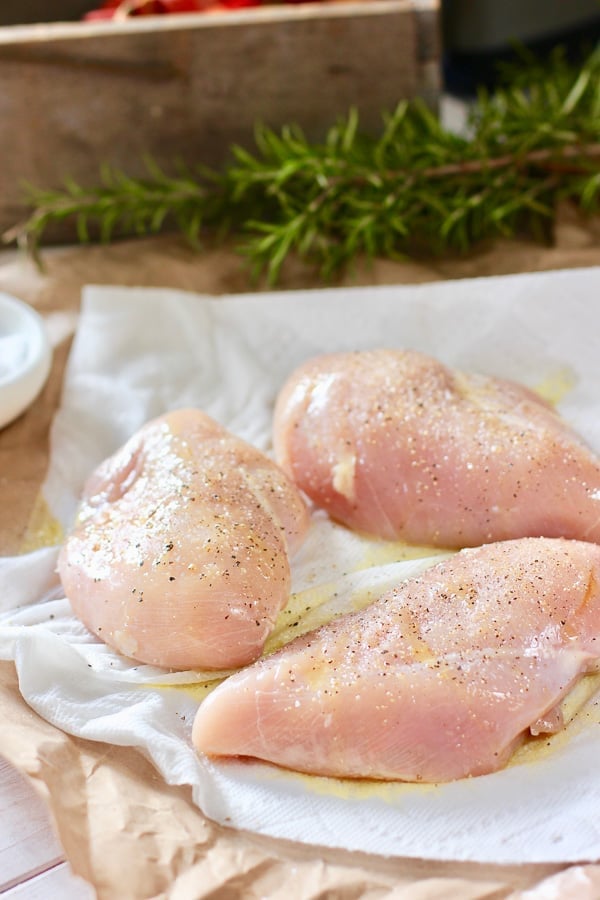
{"x":120,"y":203}
{"x":414,"y":188}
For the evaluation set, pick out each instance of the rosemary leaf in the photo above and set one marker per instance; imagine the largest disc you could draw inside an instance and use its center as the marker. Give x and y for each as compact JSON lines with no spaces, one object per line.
{"x":413,"y":188}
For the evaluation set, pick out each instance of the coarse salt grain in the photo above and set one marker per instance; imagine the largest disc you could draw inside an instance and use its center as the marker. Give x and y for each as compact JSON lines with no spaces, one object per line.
{"x":14,"y":349}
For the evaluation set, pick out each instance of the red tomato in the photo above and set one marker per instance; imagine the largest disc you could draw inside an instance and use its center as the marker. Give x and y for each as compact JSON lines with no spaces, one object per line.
{"x":161,"y":7}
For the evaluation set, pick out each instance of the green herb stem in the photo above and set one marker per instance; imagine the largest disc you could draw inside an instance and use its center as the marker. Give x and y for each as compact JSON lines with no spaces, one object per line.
{"x":414,"y":188}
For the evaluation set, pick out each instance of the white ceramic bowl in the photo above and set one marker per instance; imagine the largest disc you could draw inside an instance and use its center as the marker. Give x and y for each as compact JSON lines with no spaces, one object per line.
{"x":25,"y":357}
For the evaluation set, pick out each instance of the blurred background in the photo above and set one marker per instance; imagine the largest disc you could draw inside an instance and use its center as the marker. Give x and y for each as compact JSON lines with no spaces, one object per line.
{"x":75,"y":98}
{"x":476,"y":34}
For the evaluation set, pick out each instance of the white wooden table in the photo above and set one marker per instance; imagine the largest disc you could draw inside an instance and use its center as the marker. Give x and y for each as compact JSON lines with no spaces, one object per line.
{"x":32,"y":863}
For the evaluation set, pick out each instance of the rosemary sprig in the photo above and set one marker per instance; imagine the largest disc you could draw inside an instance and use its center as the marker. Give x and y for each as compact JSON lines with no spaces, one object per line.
{"x":413,"y":188}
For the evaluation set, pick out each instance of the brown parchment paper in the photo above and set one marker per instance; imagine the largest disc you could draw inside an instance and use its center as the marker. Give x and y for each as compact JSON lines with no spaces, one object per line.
{"x":123,"y":830}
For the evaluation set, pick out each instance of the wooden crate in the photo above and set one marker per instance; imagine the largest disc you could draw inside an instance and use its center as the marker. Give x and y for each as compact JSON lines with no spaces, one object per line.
{"x":76,"y":95}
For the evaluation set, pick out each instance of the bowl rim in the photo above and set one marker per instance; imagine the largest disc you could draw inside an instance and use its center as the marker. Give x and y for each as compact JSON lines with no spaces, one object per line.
{"x":26,"y":323}
{"x":22,"y":383}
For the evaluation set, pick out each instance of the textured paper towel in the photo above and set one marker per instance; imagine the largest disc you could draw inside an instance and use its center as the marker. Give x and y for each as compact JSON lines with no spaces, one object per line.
{"x":140,"y":352}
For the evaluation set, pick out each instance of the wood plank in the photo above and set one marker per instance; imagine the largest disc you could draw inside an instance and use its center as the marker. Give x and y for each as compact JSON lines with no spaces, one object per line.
{"x":74,"y":96}
{"x":28,"y":844}
{"x":58,"y":882}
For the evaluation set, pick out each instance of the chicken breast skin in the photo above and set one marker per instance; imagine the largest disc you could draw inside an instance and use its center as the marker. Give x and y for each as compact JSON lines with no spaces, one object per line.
{"x":180,"y":554}
{"x":393,"y":443}
{"x":437,"y":680}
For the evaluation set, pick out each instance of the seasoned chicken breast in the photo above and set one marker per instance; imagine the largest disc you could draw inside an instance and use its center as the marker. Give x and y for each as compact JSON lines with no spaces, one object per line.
{"x":395,"y":444}
{"x":437,"y":680}
{"x":179,"y":557}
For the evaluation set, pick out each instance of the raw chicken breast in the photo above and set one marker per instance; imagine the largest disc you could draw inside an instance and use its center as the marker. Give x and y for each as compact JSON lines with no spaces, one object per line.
{"x":437,"y":680}
{"x":395,"y":444}
{"x":179,"y":557}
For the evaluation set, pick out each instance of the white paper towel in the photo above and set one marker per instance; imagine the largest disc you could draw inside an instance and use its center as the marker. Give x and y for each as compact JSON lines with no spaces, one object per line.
{"x":138,"y":353}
